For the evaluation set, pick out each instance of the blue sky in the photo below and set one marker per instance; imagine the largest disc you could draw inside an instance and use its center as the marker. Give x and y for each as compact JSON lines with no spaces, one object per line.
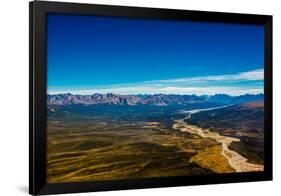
{"x":95,"y":54}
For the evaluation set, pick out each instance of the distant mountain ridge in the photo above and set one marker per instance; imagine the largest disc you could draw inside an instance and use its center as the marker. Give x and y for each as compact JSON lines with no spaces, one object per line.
{"x":227,"y":99}
{"x":155,"y":100}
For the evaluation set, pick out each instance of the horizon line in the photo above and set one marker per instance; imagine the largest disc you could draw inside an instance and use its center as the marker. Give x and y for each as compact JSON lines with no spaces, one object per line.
{"x":65,"y":93}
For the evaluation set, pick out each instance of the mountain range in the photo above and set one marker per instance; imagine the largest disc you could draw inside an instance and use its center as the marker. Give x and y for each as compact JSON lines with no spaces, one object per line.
{"x":155,"y":100}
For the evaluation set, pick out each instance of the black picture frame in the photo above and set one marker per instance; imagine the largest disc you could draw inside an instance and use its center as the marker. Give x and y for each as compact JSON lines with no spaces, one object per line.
{"x":37,"y":105}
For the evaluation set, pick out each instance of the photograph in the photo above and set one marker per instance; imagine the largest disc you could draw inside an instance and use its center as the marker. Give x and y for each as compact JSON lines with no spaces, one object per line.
{"x":135,"y":98}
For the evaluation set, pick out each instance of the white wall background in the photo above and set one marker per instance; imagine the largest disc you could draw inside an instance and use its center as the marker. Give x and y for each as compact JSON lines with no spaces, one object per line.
{"x":14,"y":96}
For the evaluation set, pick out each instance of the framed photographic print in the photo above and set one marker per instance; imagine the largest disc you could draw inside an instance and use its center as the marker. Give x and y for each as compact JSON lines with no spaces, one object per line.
{"x":128,"y":98}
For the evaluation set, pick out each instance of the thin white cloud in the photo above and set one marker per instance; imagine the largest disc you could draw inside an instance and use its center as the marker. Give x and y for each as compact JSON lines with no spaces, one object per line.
{"x":252,"y":75}
{"x":207,"y":85}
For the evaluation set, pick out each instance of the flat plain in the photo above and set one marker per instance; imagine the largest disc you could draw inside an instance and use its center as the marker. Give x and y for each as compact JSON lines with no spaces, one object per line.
{"x":111,"y":142}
